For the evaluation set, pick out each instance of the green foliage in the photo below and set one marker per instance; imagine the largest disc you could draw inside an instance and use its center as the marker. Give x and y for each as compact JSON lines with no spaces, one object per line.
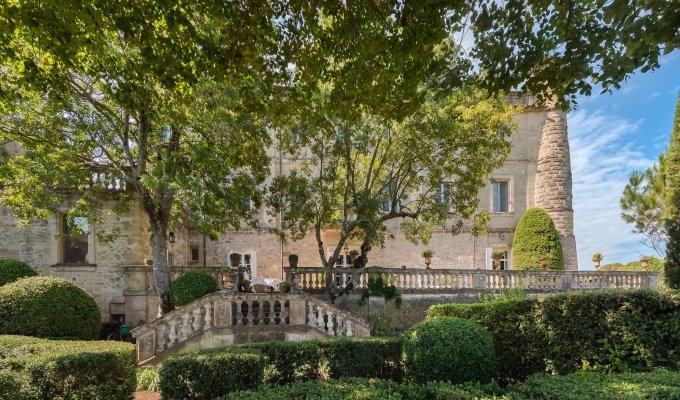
{"x":672,"y":206}
{"x":191,"y":286}
{"x":642,"y":205}
{"x":376,"y":287}
{"x":64,"y":369}
{"x":11,"y":270}
{"x":535,"y":239}
{"x":658,"y":384}
{"x":614,"y":331}
{"x":148,"y":379}
{"x":448,"y":349}
{"x":48,"y":306}
{"x":655,"y":265}
{"x":362,"y":357}
{"x":287,"y":362}
{"x":597,"y":256}
{"x":360,"y":389}
{"x":428,"y":253}
{"x":206,"y":374}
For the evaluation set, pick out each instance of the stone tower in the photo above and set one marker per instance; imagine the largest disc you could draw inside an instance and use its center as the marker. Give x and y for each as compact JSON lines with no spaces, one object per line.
{"x":553,"y":181}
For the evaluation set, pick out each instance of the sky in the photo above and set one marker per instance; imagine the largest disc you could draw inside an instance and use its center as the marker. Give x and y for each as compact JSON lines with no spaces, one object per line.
{"x":612,"y":135}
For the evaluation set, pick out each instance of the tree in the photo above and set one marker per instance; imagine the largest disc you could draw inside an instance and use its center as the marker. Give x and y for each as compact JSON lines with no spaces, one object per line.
{"x":642,"y":204}
{"x":423,"y":171}
{"x":535,"y":239}
{"x":672,"y":205}
{"x":171,"y":100}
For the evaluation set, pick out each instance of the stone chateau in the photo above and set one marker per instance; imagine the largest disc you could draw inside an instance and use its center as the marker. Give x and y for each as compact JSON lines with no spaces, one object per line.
{"x":537,"y":173}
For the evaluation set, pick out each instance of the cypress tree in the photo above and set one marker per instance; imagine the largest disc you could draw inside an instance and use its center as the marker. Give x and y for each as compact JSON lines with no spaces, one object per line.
{"x":536,"y":238}
{"x":672,"y":203}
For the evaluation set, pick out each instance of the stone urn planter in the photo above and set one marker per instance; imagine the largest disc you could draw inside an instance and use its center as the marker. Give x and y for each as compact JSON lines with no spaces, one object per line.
{"x":544,"y":263}
{"x":427,"y":256}
{"x":228,"y":276}
{"x":644,"y":263}
{"x":496,"y":257}
{"x":597,"y":259}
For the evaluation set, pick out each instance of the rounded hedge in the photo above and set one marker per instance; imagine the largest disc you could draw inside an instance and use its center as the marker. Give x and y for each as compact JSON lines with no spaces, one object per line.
{"x":50,"y":307}
{"x":450,"y":350}
{"x":11,"y":270}
{"x":535,"y":239}
{"x":191,"y":286}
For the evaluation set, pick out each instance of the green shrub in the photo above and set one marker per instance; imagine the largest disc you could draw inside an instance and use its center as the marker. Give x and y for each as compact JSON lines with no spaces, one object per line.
{"x":518,"y":345}
{"x":48,"y":306}
{"x":536,"y":238}
{"x":11,"y":270}
{"x":361,"y":389}
{"x":207,"y":374}
{"x":287,"y":362}
{"x":616,"y":331}
{"x":376,"y":287}
{"x":36,"y":369}
{"x":147,"y":379}
{"x":362,"y":357}
{"x":191,"y":286}
{"x":659,"y":384}
{"x":448,"y":349}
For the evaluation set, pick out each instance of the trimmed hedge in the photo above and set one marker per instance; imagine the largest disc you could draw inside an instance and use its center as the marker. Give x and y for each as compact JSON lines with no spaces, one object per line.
{"x":448,"y":349}
{"x":207,"y":374}
{"x":191,"y":286}
{"x":50,"y":307}
{"x":37,"y":369}
{"x":615,"y":331}
{"x":536,"y":238}
{"x":11,"y":270}
{"x":361,"y":389}
{"x":288,"y":362}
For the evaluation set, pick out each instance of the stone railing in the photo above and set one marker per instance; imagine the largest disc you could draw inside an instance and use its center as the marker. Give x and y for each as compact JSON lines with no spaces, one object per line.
{"x":452,"y":280}
{"x":234,"y":311}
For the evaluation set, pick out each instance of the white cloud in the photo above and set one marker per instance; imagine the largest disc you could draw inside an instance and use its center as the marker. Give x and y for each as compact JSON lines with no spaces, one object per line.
{"x":603,"y":154}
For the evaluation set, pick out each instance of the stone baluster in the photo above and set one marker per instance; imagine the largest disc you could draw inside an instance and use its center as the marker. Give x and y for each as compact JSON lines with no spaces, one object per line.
{"x":197,"y":319}
{"x":311,"y":318}
{"x":331,"y":324}
{"x":349,"y":332}
{"x":320,"y":323}
{"x":161,"y":339}
{"x":186,"y":327}
{"x":207,"y":322}
{"x":172,"y":336}
{"x":250,"y":315}
{"x":260,"y":312}
{"x":341,"y":325}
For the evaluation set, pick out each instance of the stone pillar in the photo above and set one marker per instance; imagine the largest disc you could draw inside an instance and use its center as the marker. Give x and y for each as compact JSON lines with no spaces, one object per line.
{"x":553,"y":182}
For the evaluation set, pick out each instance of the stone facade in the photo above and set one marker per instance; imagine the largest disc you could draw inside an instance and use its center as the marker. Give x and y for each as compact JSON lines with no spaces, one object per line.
{"x":537,"y":174}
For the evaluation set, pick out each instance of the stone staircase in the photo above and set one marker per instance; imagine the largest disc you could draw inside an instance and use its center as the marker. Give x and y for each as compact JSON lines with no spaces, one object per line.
{"x":225,"y":318}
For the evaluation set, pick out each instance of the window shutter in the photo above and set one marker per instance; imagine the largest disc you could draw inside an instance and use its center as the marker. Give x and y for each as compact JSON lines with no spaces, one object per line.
{"x":489,"y":264}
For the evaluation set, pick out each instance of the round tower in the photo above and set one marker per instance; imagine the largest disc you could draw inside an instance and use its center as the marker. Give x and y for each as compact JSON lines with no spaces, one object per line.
{"x":553,"y":181}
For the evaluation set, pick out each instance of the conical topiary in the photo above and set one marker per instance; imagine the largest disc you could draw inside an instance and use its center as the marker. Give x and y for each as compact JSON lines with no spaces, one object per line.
{"x":535,"y":239}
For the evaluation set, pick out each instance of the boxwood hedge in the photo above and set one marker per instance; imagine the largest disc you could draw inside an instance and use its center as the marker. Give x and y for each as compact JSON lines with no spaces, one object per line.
{"x":37,"y":369}
{"x":191,"y":286}
{"x":615,"y":331}
{"x":48,"y":306}
{"x":11,"y":270}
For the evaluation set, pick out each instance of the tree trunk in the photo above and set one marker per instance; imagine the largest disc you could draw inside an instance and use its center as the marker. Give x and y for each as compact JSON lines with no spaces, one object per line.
{"x":159,"y":250}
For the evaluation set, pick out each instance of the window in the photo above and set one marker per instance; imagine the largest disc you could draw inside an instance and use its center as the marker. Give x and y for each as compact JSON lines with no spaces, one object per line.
{"x":386,"y":205}
{"x":194,"y":254}
{"x":501,"y":202}
{"x":443,"y":193}
{"x":248,"y":261}
{"x":75,"y":243}
{"x":247,"y":203}
{"x":501,"y":134}
{"x":341,"y":261}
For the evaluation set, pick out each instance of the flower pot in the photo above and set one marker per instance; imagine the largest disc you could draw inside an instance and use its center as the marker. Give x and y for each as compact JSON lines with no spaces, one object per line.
{"x":544,"y":263}
{"x":596,"y":264}
{"x":428,"y":261}
{"x":644,"y":264}
{"x":496,"y":263}
{"x":228,"y":278}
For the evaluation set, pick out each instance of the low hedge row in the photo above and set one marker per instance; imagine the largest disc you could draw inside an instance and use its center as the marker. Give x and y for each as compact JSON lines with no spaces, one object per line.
{"x":207,"y":374}
{"x":37,"y":369}
{"x":615,"y":331}
{"x":658,"y":384}
{"x":288,"y":362}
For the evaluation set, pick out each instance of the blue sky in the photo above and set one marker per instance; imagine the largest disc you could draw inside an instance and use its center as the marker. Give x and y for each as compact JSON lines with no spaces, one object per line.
{"x":612,"y":135}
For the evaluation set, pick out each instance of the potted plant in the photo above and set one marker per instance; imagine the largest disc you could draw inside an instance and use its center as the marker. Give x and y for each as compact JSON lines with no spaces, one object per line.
{"x":427,"y":255}
{"x":284,"y":287}
{"x":597,"y":258}
{"x":544,"y":263}
{"x":245,"y":285}
{"x":497,"y":256}
{"x":227,"y":275}
{"x":352,"y":255}
{"x":644,"y":263}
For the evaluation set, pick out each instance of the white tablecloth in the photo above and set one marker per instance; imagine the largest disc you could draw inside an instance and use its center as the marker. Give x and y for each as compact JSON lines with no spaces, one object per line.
{"x":265,"y":281}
